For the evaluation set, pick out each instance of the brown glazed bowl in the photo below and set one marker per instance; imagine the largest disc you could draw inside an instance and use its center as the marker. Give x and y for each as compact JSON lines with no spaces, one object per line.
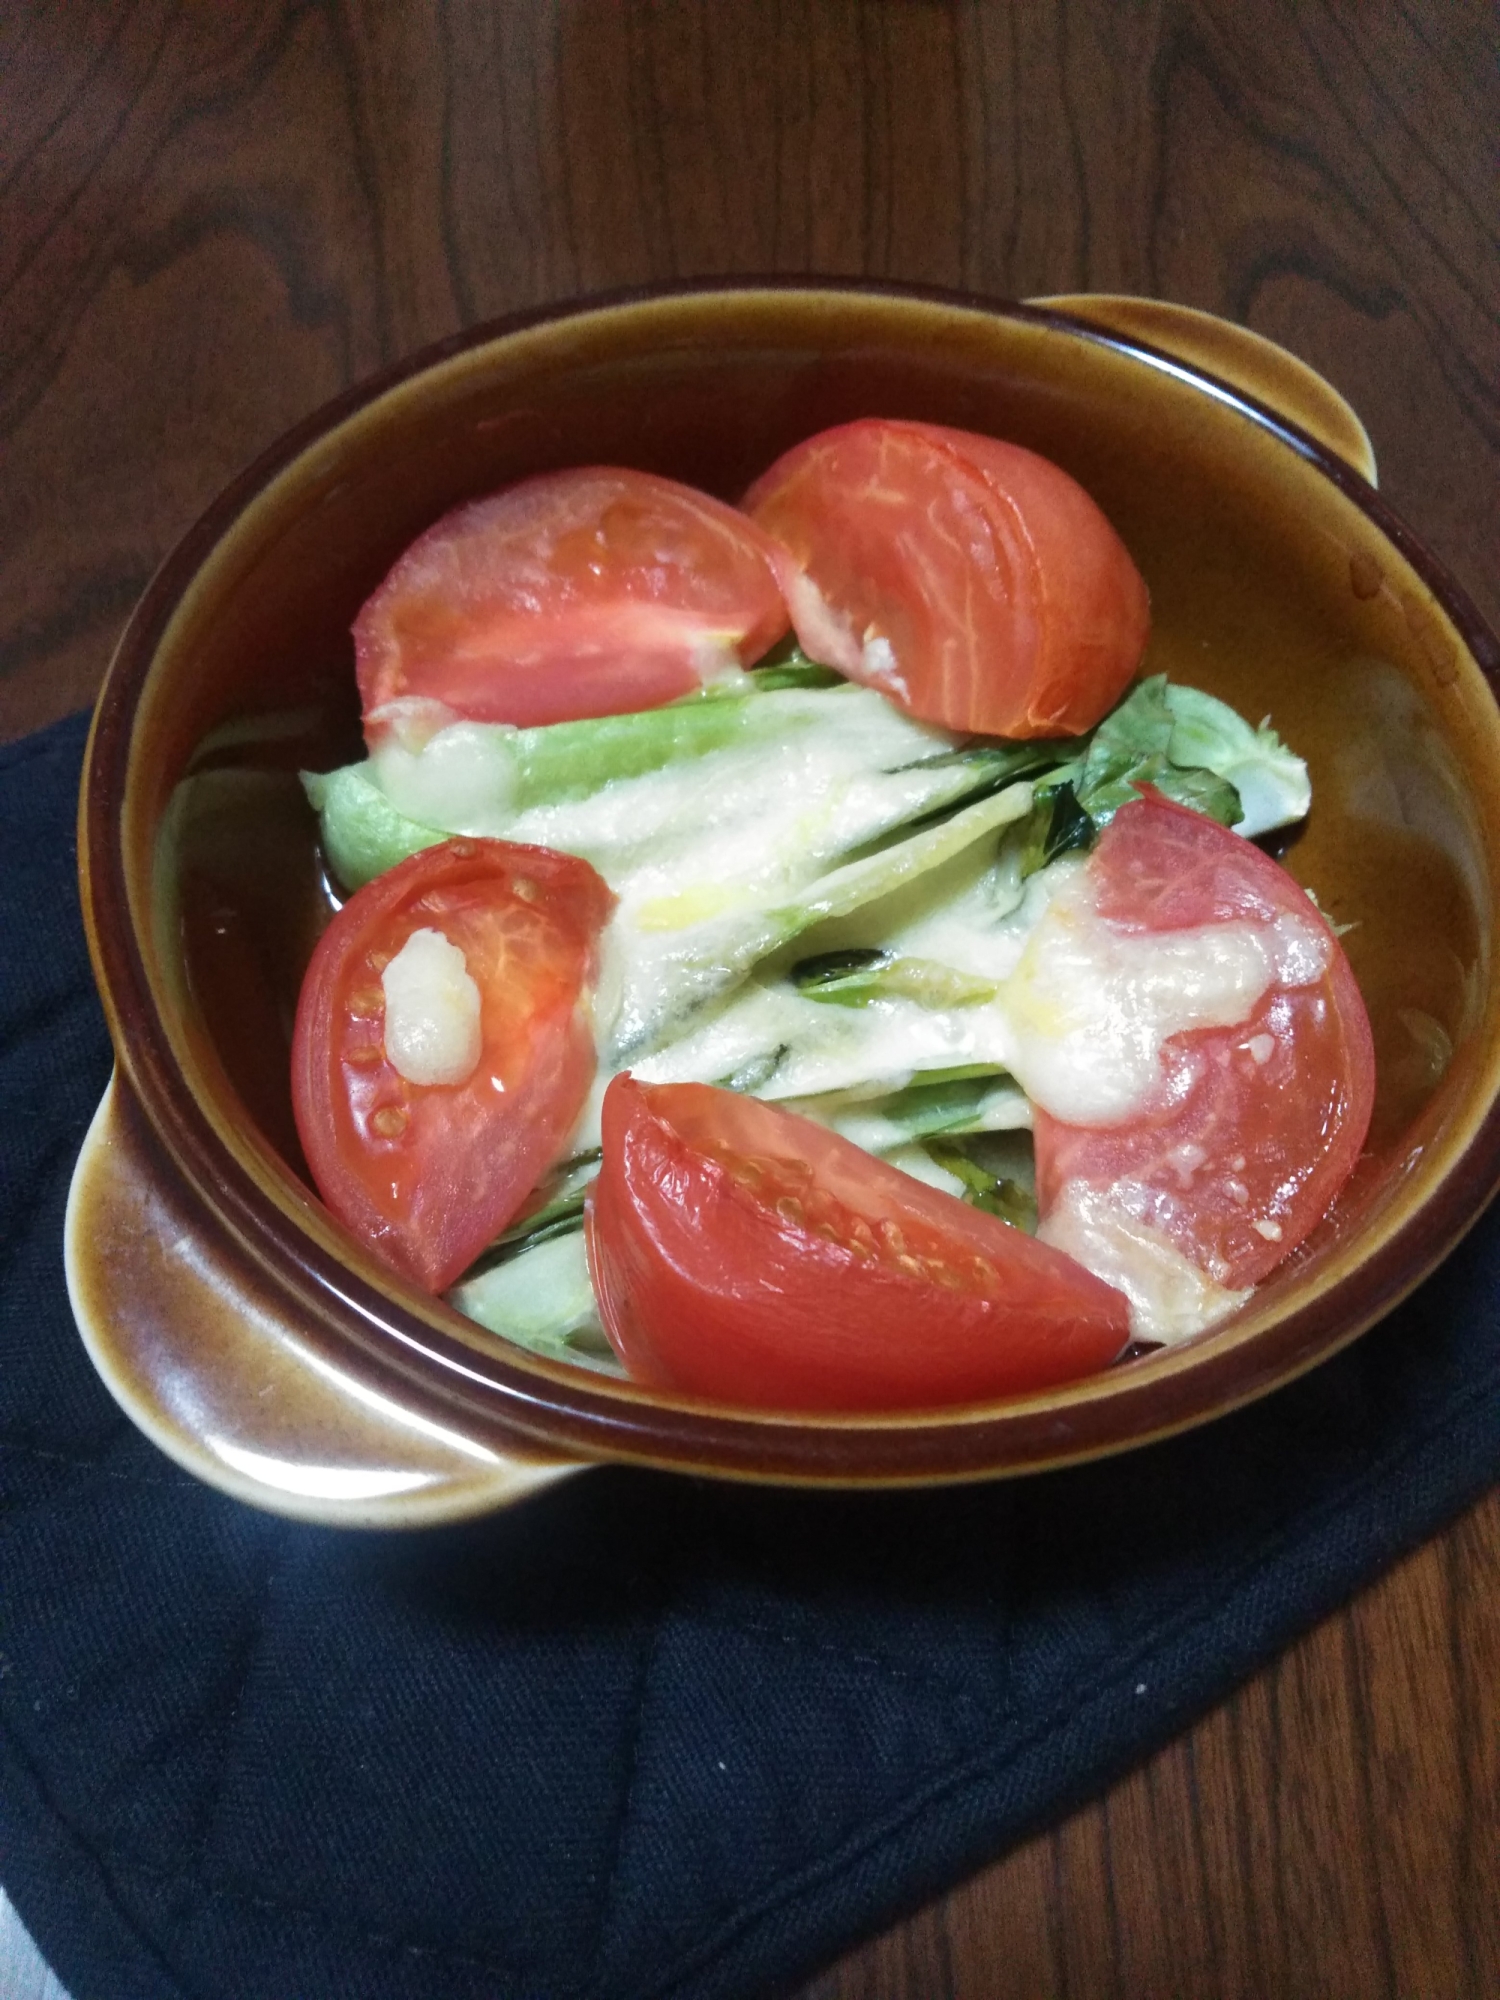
{"x":264,"y":1349}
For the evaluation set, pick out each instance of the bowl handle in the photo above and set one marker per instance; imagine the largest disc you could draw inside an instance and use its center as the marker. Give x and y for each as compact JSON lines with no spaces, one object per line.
{"x":203,"y":1356}
{"x":1237,"y":356}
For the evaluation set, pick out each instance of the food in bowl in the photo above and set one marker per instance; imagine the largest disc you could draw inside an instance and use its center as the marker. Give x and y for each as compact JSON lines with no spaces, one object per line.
{"x":695,"y":995}
{"x":271,"y":1353}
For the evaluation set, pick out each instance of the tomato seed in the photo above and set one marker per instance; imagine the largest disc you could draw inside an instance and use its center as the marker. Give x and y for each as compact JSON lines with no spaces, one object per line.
{"x":390,"y":1121}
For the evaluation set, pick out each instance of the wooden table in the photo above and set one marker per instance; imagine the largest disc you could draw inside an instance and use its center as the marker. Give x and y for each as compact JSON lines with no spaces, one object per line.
{"x":214,"y":216}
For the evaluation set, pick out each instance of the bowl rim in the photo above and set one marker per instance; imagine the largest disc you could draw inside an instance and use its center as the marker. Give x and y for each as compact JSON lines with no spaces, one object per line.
{"x":514,"y":1397}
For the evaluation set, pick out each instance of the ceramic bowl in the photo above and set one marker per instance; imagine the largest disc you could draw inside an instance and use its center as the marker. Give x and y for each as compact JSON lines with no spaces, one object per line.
{"x":264,"y":1349}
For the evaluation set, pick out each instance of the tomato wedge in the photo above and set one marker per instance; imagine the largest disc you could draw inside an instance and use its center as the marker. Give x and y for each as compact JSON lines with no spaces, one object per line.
{"x":973,"y":582}
{"x":1252,"y":1129}
{"x":741,"y":1252}
{"x":588,"y":592}
{"x":428,"y":1173}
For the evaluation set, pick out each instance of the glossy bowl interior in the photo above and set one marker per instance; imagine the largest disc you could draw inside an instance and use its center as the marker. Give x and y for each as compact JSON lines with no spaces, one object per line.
{"x":1277,"y":579}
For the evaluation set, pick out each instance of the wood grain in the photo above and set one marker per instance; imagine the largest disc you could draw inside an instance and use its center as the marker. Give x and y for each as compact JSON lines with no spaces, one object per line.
{"x":213,"y":217}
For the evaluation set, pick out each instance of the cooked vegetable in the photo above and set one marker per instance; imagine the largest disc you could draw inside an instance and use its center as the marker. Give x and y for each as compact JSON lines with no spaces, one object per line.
{"x":973,"y":582}
{"x":855,"y":978}
{"x":748,"y":754}
{"x":917,"y":940}
{"x":1272,"y":783}
{"x":542,"y":1299}
{"x":1191,"y":748}
{"x":1011,"y":1196}
{"x":587,"y":592}
{"x":426,"y":1173}
{"x":742,"y":1253}
{"x":1250,"y":1123}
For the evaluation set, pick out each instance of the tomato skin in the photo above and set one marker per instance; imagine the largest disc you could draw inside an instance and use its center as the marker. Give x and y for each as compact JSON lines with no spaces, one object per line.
{"x":593,"y":591}
{"x":1011,"y":606}
{"x":1277,"y":1137}
{"x":706,"y":1285}
{"x":459,"y":1160}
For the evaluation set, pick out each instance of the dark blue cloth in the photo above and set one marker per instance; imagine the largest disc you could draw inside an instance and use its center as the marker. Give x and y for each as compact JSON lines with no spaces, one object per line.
{"x":642,"y":1735}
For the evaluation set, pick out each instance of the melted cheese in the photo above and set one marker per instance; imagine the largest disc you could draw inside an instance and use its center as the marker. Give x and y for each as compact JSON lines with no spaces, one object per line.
{"x":432,"y":1032}
{"x":1089,"y":1006}
{"x":1170,"y":1298}
{"x":461,"y":777}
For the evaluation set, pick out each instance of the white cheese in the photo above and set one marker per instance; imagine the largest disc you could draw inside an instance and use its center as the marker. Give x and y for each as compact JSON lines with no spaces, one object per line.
{"x":1170,"y":1298}
{"x":697,"y":850}
{"x":432,"y":1031}
{"x":877,"y":666}
{"x":1090,"y":1006}
{"x":823,"y":1048}
{"x":461,"y":779}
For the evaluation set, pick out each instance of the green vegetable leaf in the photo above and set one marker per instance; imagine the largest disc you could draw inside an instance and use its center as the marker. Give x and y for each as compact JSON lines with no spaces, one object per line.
{"x":1132,"y":747}
{"x":1056,"y":824}
{"x":935,"y":1104}
{"x":541,"y":1299}
{"x":363,"y":834}
{"x":1010,"y":1199}
{"x":957,"y":1104}
{"x":855,"y":978}
{"x":866,"y":880}
{"x":786,"y":665}
{"x":753,"y":1076}
{"x":1136,"y":744}
{"x":1272,"y":782}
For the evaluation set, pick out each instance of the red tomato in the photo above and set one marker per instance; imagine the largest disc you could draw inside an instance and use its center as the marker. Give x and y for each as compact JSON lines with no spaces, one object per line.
{"x":428,"y":1174}
{"x":741,"y":1252}
{"x":590,"y":592}
{"x":997,"y":596}
{"x":1254,"y":1128}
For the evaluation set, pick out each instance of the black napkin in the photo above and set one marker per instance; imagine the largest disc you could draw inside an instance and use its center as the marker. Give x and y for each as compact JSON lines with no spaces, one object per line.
{"x":641,"y":1735}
